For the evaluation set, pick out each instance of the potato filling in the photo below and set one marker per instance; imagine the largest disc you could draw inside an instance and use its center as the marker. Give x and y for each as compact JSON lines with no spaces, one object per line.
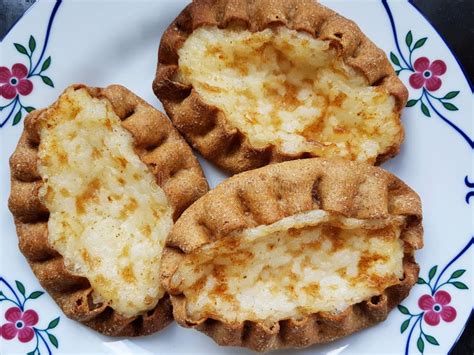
{"x":300,"y":265}
{"x":286,"y":88}
{"x":108,"y":217}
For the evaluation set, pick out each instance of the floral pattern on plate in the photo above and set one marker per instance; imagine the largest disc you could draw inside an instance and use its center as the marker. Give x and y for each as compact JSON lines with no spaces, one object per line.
{"x":20,"y":322}
{"x":17,"y":82}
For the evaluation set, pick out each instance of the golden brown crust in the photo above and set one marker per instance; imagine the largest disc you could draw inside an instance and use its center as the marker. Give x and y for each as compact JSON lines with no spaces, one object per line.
{"x":268,"y":194}
{"x":176,"y":170}
{"x":205,"y":127}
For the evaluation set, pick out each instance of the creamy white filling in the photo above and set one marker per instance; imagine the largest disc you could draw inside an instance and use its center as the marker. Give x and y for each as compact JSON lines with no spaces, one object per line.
{"x":286,"y":88}
{"x":299,"y":265}
{"x":108,"y":217}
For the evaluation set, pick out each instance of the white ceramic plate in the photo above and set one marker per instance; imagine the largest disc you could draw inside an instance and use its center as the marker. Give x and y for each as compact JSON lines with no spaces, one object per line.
{"x":100,"y":43}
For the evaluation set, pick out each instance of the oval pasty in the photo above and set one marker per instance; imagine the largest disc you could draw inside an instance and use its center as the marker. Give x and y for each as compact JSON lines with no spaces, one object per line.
{"x":250,"y":83}
{"x":294,"y":254}
{"x":98,"y":179}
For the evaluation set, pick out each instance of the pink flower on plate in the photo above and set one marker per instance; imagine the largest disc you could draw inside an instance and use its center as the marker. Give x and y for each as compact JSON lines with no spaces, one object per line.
{"x":437,"y":307}
{"x":427,"y":74}
{"x":14,"y":81}
{"x":20,"y":323}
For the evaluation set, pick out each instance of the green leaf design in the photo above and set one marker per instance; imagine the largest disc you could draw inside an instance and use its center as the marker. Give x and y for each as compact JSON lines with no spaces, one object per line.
{"x":31,"y":352}
{"x":409,"y":39}
{"x":53,"y":324}
{"x":449,"y":106}
{"x":431,"y":339}
{"x":17,"y":119}
{"x":32,"y":44}
{"x":394,"y":59}
{"x":457,"y":273}
{"x":53,"y":340}
{"x":405,"y":325}
{"x":421,"y":281}
{"x":35,"y":295}
{"x":20,"y":48}
{"x":432,"y":272}
{"x":46,"y":64}
{"x":451,"y":95}
{"x":47,"y":80}
{"x":29,"y":109}
{"x":403,"y":309}
{"x":411,"y":103}
{"x":420,"y":43}
{"x":460,"y":285}
{"x":20,"y":286}
{"x":425,"y":110}
{"x":420,"y":344}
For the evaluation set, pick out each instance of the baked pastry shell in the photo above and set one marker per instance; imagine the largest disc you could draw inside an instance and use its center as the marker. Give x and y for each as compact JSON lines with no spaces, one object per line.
{"x":268,"y":194}
{"x":205,"y":126}
{"x":167,"y":156}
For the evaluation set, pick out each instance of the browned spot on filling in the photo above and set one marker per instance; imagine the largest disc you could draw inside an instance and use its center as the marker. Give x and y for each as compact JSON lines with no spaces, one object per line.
{"x":122,"y":161}
{"x":290,"y":99}
{"x":200,"y":283}
{"x":108,"y":124}
{"x":96,"y":153}
{"x":88,"y":259}
{"x":342,"y":272}
{"x":334,"y":235}
{"x":49,"y":193}
{"x":129,"y":208}
{"x":312,"y":290}
{"x":270,"y":246}
{"x":231,"y":243}
{"x":64,"y":192}
{"x":85,"y":256}
{"x":214,"y":51}
{"x":125,"y":251}
{"x":365,"y":263}
{"x":339,"y":99}
{"x":312,"y":132}
{"x":90,"y":194}
{"x":146,"y":230}
{"x":290,"y":289}
{"x":63,"y":159}
{"x":295,"y":232}
{"x":248,"y":94}
{"x":339,"y":129}
{"x":221,"y":287}
{"x":211,"y":88}
{"x":270,"y":90}
{"x":239,"y":62}
{"x":127,"y":274}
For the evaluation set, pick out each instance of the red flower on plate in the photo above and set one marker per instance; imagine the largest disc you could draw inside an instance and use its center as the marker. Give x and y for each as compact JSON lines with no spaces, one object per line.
{"x":426,"y":74}
{"x":20,"y":323}
{"x":437,"y":307}
{"x":14,"y":81}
